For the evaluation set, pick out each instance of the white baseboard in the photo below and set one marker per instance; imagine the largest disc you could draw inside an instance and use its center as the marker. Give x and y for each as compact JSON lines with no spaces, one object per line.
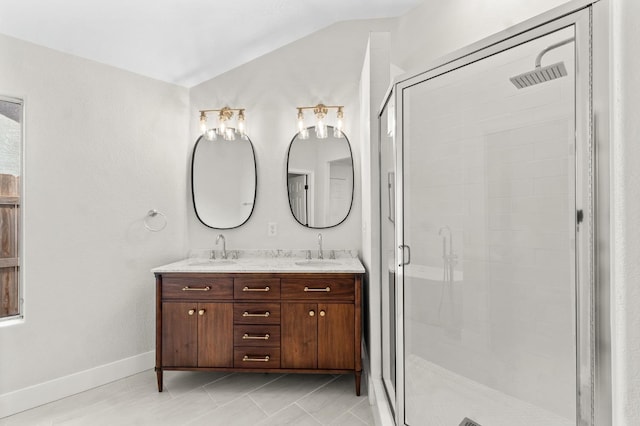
{"x":43,"y":393}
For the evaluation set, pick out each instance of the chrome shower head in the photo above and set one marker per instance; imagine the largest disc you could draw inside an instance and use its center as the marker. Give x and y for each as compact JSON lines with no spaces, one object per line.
{"x":542,"y":74}
{"x":539,"y":75}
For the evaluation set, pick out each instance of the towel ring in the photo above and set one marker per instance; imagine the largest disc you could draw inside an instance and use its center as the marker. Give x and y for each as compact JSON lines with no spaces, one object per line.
{"x":154,"y":213}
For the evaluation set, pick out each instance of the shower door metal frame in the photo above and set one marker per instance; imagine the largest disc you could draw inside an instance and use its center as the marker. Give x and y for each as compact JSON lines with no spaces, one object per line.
{"x":391,"y":396}
{"x":590,"y":21}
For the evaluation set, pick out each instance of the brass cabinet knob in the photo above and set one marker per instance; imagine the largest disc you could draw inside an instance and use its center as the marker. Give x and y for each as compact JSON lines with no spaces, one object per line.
{"x":322,"y":313}
{"x":312,"y":313}
{"x":201,"y":312}
{"x":191,"y":311}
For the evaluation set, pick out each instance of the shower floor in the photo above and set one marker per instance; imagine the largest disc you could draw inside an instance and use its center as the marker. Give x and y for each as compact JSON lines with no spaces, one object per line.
{"x":438,"y":397}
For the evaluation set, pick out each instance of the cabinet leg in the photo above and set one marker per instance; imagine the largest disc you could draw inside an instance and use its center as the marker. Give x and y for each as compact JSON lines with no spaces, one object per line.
{"x":159,"y":377}
{"x":358,"y":377}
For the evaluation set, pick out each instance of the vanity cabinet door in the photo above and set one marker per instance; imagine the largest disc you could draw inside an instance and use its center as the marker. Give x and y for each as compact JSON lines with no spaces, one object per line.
{"x":299,"y":335}
{"x":179,"y":334}
{"x":336,"y":336}
{"x":197,"y":334}
{"x":318,"y":335}
{"x":215,"y":334}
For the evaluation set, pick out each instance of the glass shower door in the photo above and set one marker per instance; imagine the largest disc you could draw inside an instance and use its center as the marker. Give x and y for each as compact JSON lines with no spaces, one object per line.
{"x":489,"y":212}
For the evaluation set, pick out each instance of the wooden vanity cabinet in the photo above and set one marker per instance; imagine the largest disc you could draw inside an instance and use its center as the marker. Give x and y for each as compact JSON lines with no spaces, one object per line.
{"x":257,"y":322}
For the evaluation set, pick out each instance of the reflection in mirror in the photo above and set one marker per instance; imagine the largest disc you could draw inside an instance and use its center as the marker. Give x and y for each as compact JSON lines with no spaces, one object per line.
{"x":223,"y":181}
{"x":320,"y":179}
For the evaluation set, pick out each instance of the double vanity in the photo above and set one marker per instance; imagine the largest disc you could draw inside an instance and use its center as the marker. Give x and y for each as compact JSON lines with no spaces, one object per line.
{"x":260,"y":311}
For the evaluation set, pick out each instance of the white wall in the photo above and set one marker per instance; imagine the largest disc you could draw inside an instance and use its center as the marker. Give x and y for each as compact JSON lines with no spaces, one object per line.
{"x":323,"y":67}
{"x":103,"y":147}
{"x":625,"y":297}
{"x":374,"y":81}
{"x":437,"y":28}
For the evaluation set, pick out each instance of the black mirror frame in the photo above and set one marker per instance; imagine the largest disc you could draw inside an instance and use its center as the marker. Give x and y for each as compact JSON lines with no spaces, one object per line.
{"x":353,"y":180}
{"x":255,"y":186}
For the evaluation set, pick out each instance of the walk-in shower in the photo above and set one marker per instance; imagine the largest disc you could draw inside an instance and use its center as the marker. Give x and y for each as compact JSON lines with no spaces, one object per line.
{"x":497,"y":331}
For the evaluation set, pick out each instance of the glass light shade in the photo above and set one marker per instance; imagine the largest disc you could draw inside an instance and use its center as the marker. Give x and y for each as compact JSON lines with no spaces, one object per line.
{"x":211,"y":134}
{"x":240,"y":123}
{"x":222,"y":125}
{"x":321,"y":129}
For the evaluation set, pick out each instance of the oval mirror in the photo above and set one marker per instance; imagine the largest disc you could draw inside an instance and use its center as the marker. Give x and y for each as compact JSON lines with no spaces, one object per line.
{"x":320,"y":178}
{"x":223,"y":181}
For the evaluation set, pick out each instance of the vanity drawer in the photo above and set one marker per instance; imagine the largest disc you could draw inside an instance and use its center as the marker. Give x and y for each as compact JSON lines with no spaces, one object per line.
{"x":256,"y":357}
{"x":256,"y":288}
{"x":256,"y":313}
{"x":318,"y":288}
{"x":256,"y":335}
{"x":199,"y":288}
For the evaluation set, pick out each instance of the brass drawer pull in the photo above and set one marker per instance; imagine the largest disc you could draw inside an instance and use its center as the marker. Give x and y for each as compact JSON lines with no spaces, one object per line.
{"x":247,"y":358}
{"x":247,"y":314}
{"x":247,"y":336}
{"x":256,"y":289}
{"x":326,"y":289}
{"x":187,"y":288}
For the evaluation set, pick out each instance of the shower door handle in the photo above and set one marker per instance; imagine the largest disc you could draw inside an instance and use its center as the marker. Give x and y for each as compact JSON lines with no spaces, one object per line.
{"x":404,"y":249}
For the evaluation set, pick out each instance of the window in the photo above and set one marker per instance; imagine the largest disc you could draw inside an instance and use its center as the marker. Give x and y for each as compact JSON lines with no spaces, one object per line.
{"x":11,"y":119}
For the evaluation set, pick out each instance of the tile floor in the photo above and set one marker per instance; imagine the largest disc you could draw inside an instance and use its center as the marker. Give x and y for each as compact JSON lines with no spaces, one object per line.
{"x":211,"y":399}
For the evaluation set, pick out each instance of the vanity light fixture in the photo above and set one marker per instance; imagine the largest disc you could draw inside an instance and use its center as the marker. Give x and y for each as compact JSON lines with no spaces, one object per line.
{"x":224,"y":116}
{"x":320,"y":111}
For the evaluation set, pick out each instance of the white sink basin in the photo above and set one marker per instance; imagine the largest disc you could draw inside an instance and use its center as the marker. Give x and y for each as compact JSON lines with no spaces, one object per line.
{"x":212,"y":262}
{"x":317,"y":262}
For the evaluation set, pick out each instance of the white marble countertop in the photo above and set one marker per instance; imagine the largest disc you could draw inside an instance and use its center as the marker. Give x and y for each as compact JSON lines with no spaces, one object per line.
{"x":269,"y":261}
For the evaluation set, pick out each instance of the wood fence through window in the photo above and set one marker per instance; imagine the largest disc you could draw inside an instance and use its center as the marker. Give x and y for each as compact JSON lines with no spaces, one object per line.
{"x":9,"y":250}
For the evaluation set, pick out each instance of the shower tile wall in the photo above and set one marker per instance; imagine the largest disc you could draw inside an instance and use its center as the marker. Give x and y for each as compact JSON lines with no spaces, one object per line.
{"x":528,"y":257}
{"x":498,"y":176}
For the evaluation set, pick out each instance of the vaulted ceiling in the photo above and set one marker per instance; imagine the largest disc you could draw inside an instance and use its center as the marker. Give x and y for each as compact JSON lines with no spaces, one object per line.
{"x":180,"y":41}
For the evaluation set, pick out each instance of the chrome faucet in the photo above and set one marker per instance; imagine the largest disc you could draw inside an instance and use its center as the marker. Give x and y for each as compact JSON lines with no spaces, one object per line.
{"x":224,"y":245}
{"x":320,"y":256}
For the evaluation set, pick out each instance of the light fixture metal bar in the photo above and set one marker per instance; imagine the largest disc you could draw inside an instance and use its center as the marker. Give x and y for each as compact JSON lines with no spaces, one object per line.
{"x":321,"y":106}
{"x":204,"y":111}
